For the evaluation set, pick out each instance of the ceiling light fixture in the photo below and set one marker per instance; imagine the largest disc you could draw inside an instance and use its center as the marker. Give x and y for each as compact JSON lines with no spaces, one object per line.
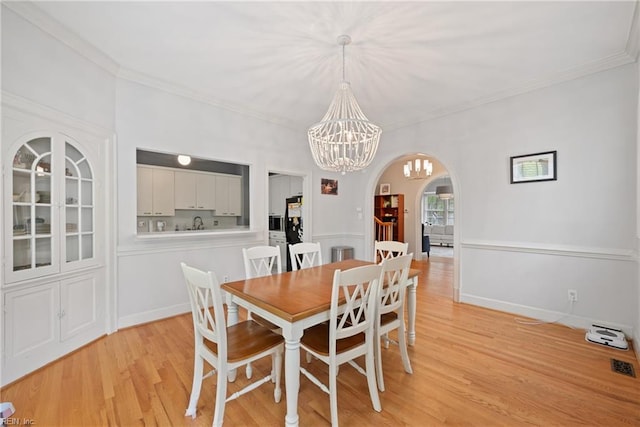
{"x":445,"y":192}
{"x":184,"y":160}
{"x":418,"y":169}
{"x":345,"y":140}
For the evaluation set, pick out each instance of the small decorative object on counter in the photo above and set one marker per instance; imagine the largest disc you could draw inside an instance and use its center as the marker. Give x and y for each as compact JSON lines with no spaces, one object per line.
{"x":197,"y":223}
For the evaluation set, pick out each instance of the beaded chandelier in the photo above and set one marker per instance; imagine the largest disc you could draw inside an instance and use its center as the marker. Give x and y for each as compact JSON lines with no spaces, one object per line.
{"x":345,"y":140}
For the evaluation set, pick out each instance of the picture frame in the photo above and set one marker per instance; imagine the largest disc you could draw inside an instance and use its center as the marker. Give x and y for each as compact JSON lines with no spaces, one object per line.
{"x":385,"y":189}
{"x":534,"y":167}
{"x":329,"y":186}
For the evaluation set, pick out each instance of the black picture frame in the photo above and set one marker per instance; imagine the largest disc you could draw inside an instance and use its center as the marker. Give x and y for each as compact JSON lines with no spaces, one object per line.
{"x":534,"y":167}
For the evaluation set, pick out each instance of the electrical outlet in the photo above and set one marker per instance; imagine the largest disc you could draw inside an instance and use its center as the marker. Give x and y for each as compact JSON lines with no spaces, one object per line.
{"x":226,"y":279}
{"x":142,"y":224}
{"x":572,"y":294}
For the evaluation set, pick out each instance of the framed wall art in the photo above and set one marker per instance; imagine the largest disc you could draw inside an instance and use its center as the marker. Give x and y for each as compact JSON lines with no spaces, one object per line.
{"x":329,"y":186}
{"x":534,"y":167}
{"x":385,"y":189}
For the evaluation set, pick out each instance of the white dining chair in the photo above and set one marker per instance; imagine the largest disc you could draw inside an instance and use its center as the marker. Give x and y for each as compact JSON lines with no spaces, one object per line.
{"x":225,"y":348}
{"x":261,"y":261}
{"x":349,"y":333}
{"x":386,"y":249}
{"x":305,"y":255}
{"x":390,"y":310}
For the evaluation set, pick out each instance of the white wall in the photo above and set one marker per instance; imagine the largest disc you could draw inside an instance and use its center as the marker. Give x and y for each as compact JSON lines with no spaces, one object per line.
{"x":522,"y":246}
{"x":43,"y":70}
{"x":150,"y":283}
{"x":637,"y":327}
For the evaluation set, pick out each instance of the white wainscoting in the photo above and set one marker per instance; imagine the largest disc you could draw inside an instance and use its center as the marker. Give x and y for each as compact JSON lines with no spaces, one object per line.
{"x":532,"y":280}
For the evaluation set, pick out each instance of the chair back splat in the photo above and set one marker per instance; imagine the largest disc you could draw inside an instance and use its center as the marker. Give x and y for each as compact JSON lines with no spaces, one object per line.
{"x":261,"y":261}
{"x":386,"y":249}
{"x":305,"y":255}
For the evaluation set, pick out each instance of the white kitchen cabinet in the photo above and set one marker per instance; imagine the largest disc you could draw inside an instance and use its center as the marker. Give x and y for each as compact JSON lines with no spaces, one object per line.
{"x":206,"y":191}
{"x":194,"y":190}
{"x":278,"y":238}
{"x":228,"y":195}
{"x":278,"y":193}
{"x":184,"y":190}
{"x":295,"y":186}
{"x":156,"y":191}
{"x":281,"y":187}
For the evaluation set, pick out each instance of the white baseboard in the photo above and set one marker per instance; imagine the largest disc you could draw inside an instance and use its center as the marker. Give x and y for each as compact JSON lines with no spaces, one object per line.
{"x":153,"y":315}
{"x":541,"y":314}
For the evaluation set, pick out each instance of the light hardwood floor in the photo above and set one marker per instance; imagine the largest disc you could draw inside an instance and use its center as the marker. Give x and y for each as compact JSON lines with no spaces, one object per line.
{"x":472,"y":366}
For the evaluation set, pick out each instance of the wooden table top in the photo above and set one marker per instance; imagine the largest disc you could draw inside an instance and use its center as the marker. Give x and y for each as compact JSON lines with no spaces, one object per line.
{"x":294,"y":295}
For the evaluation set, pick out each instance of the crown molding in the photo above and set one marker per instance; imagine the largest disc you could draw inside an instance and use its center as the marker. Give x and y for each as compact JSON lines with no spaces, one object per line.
{"x":24,"y":105}
{"x":186,"y":92}
{"x":613,"y":61}
{"x":633,"y":42}
{"x":46,"y":23}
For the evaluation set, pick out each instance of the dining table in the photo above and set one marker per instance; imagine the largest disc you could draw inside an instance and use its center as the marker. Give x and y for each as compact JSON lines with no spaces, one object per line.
{"x":295,"y":301}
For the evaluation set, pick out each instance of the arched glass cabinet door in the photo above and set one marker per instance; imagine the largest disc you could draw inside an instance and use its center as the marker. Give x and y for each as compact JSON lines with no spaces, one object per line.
{"x":35,"y":220}
{"x":79,"y":242}
{"x":53,"y":208}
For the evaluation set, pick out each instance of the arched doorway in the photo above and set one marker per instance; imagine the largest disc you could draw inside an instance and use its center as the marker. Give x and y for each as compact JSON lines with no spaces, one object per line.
{"x":392,"y":177}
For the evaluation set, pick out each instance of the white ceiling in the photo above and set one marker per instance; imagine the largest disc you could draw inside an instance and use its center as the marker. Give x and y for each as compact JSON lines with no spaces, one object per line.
{"x":407,"y":62}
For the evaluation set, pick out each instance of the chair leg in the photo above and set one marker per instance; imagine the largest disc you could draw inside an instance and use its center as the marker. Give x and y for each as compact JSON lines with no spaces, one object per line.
{"x":402,"y":343}
{"x":198,"y":367}
{"x":273,"y":369}
{"x":249,"y":370}
{"x":371,"y":380}
{"x":221,"y":397}
{"x":333,"y":393}
{"x":378,"y":359}
{"x":276,"y":360}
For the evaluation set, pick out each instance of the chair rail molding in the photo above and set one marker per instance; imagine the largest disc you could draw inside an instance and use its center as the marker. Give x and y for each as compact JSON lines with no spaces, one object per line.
{"x":557,"y":250}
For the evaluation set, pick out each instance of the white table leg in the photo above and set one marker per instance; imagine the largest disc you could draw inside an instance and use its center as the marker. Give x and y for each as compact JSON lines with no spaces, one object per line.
{"x":292,"y":374}
{"x":232,"y":311}
{"x":411,"y":308}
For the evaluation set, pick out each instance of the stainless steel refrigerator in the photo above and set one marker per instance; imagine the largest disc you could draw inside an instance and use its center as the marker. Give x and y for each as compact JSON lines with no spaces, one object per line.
{"x":293,"y":224}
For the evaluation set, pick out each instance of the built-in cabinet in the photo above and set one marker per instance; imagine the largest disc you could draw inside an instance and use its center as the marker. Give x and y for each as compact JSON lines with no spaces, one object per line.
{"x":156,"y":191}
{"x":228,"y":195}
{"x":390,"y":209}
{"x":195,"y":190}
{"x":43,"y":321}
{"x":53,"y":287}
{"x":277,"y":238}
{"x":162,"y":191}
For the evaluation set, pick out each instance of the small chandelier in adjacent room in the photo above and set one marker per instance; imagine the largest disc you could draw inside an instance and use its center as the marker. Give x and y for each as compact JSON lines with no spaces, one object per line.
{"x":418,"y":169}
{"x":345,"y":140}
{"x":444,"y":192}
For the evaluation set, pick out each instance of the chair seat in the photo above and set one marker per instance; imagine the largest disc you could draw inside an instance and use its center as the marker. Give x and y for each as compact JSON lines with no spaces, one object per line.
{"x":387,"y":318}
{"x":246,"y":339}
{"x":316,"y":338}
{"x":264,"y":322}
